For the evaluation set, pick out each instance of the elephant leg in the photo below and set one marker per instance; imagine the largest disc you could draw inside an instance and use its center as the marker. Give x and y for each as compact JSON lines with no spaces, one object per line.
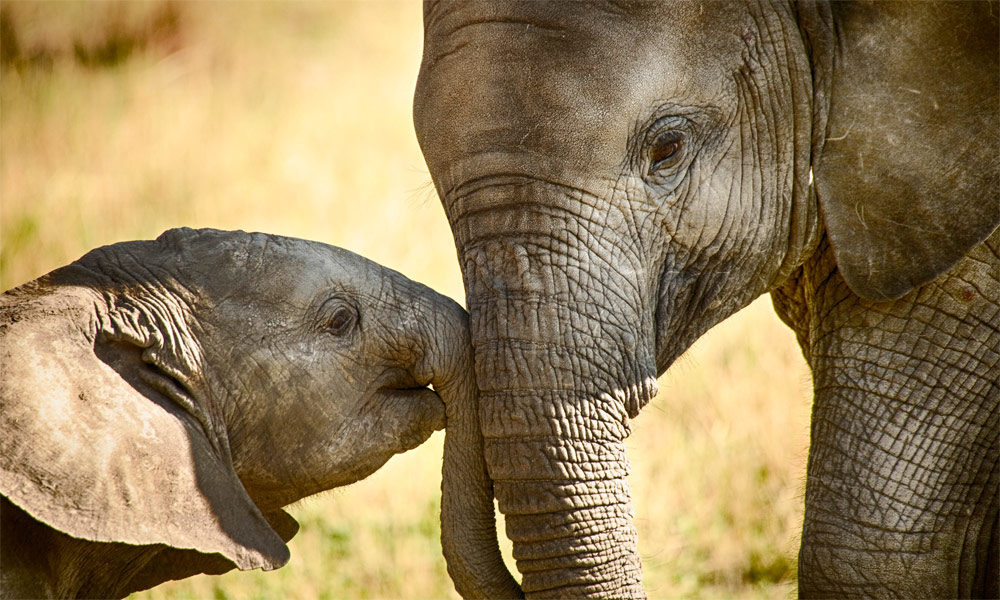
{"x":900,"y":499}
{"x":901,"y":493}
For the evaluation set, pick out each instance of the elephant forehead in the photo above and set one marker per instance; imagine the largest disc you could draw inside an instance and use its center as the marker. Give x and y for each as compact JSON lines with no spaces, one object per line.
{"x":262,"y":267}
{"x":568,"y":79}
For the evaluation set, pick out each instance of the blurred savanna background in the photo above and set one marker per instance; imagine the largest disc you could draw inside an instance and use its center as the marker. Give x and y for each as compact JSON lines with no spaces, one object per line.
{"x":119,"y":120}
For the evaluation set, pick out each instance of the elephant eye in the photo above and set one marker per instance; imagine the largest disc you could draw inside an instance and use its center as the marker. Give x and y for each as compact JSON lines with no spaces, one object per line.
{"x":666,"y":150}
{"x":339,"y":317}
{"x":340,"y":321}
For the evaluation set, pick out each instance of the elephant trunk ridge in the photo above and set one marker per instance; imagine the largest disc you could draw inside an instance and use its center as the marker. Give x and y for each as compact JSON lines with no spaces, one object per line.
{"x":559,"y":379}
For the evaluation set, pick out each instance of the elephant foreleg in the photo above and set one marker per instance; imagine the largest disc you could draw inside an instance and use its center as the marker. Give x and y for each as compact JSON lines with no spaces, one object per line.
{"x":902,"y":487}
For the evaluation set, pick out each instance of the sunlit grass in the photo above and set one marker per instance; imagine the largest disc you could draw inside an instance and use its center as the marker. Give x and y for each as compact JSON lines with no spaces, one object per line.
{"x":294,"y":118}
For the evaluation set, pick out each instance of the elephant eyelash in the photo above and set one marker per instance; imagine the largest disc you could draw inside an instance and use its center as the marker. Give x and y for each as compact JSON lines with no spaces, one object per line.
{"x":340,"y":321}
{"x":663,"y":147}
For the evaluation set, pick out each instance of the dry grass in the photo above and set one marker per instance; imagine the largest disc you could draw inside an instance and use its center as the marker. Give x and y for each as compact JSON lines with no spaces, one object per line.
{"x":120,"y":120}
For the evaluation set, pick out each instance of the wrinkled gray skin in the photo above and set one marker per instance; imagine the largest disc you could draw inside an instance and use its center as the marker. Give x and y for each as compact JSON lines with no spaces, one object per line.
{"x":619,"y":177}
{"x":162,"y":400}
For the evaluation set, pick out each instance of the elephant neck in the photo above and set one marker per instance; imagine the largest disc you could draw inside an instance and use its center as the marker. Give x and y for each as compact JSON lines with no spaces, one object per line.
{"x":77,"y":568}
{"x":796,"y":300}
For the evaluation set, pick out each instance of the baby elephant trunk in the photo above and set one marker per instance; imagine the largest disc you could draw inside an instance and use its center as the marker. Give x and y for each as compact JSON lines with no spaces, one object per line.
{"x":468,"y":525}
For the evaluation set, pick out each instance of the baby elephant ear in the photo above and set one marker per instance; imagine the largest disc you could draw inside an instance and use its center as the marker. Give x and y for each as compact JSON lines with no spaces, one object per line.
{"x":909,"y":177}
{"x":91,"y":449}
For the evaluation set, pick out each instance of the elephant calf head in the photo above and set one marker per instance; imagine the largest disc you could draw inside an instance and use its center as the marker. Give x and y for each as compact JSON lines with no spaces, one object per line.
{"x":176,"y":393}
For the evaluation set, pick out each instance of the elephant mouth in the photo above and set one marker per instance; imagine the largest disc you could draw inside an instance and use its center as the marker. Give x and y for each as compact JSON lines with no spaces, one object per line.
{"x":400,"y":380}
{"x":399,"y":388}
{"x":397,"y":415}
{"x":422,"y":395}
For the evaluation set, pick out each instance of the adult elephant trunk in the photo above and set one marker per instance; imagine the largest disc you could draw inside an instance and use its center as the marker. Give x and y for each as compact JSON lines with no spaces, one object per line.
{"x":558,"y":464}
{"x":563,"y":360}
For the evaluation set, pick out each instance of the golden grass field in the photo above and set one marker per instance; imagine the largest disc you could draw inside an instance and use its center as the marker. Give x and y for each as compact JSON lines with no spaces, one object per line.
{"x":118,"y":121}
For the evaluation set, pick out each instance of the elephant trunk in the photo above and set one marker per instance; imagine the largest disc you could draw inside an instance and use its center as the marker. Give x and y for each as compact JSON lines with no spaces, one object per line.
{"x":566,"y":498}
{"x":468,"y":525}
{"x":559,"y":380}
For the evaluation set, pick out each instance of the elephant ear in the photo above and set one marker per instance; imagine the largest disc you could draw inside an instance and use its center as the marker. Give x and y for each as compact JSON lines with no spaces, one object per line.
{"x":172,"y":563}
{"x":92,"y":449}
{"x":907,"y":178}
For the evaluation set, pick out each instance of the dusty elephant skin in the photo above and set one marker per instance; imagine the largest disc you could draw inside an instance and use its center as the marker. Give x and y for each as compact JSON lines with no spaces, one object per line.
{"x":162,"y":400}
{"x":619,"y":177}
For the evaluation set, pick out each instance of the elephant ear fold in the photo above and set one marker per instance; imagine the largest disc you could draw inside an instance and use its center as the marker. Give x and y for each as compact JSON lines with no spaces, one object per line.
{"x":92,"y":449}
{"x":907,"y":177}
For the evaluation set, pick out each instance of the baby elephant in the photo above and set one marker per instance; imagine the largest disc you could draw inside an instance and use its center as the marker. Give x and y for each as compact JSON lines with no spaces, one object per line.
{"x":162,"y":400}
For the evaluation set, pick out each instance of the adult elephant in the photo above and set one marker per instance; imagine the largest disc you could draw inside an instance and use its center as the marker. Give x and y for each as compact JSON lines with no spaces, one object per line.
{"x":619,"y":177}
